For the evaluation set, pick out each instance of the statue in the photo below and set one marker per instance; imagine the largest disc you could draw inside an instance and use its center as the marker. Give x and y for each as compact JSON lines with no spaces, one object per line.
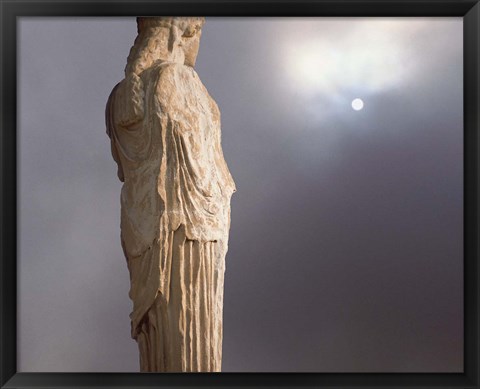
{"x":175,"y":199}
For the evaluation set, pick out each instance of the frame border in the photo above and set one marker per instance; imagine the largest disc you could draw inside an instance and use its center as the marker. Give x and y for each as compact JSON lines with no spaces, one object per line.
{"x":11,"y":10}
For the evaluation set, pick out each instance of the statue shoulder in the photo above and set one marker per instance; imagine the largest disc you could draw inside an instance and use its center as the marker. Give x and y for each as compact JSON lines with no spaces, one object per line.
{"x":169,"y":72}
{"x":175,"y":82}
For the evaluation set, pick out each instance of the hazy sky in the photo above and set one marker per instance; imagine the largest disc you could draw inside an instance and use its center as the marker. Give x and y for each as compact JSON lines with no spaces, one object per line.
{"x":346,"y":243}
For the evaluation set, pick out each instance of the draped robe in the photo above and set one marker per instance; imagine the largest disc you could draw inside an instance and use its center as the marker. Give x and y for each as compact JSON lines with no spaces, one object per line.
{"x":175,"y":216}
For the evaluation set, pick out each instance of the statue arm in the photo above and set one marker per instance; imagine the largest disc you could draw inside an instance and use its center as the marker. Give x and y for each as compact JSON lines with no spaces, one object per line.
{"x":110,"y":124}
{"x":124,"y":113}
{"x":129,"y":102}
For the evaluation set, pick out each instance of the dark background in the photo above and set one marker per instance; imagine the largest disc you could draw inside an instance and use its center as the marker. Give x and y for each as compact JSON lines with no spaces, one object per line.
{"x":347,"y":230}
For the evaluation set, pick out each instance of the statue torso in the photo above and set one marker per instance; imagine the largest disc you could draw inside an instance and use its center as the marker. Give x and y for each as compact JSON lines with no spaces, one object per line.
{"x":173,"y":163}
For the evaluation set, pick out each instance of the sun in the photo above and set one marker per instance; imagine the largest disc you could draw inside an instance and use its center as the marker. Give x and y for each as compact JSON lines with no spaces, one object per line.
{"x":357,"y":104}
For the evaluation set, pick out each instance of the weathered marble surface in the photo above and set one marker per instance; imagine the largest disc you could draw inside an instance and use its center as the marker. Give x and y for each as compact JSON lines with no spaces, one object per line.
{"x":175,"y":200}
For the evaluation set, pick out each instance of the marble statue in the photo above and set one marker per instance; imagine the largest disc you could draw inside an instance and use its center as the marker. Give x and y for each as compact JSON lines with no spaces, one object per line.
{"x":175,"y":199}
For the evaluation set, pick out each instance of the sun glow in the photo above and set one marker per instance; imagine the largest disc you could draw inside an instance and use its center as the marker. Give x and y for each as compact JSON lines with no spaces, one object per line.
{"x":368,"y":58}
{"x":357,"y":104}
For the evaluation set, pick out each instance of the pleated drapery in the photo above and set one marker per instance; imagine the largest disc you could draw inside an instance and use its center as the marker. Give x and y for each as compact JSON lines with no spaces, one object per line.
{"x":183,"y":334}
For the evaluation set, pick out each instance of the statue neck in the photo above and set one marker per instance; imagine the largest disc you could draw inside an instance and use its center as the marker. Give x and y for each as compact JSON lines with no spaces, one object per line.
{"x":153,"y":46}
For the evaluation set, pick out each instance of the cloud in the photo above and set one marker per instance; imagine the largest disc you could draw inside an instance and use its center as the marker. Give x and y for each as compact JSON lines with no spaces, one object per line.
{"x":368,"y":57}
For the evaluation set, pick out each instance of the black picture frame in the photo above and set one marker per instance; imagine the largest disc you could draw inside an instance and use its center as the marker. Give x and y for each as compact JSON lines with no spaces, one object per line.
{"x":10,"y":10}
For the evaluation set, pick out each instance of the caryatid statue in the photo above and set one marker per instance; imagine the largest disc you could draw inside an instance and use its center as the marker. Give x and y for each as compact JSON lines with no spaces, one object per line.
{"x":175,"y":199}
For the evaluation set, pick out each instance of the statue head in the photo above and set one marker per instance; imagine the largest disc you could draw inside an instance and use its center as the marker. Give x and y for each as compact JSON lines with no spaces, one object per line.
{"x":181,"y":36}
{"x":159,"y":39}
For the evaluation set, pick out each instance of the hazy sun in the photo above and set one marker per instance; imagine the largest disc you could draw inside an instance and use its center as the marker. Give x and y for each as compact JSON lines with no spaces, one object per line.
{"x":357,"y":104}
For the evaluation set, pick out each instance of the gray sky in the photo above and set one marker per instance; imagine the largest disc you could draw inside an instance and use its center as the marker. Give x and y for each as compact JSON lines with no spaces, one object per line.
{"x":346,"y":244}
